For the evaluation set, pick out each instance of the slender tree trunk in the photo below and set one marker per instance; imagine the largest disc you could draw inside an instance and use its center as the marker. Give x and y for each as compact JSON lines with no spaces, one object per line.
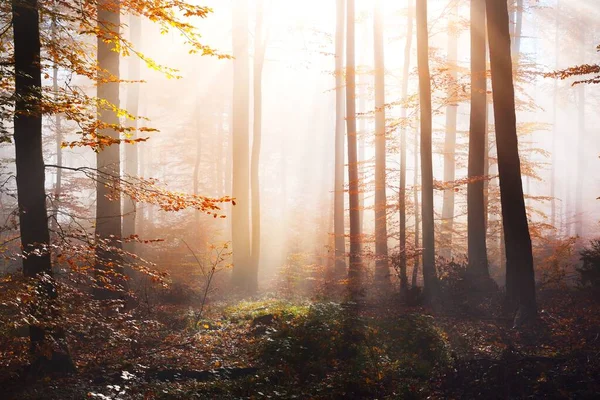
{"x":429,"y":272}
{"x":243,"y":276}
{"x":108,"y":160}
{"x":417,"y":212}
{"x":382,"y":272}
{"x":581,"y":143}
{"x":131,"y":151}
{"x":355,"y":233}
{"x":402,"y":192}
{"x":518,"y":29}
{"x":259,"y":58}
{"x":197,"y":161}
{"x":478,"y":263}
{"x":31,"y":194}
{"x":555,"y":120}
{"x":450,"y":140}
{"x":59,"y":137}
{"x":520,"y":280}
{"x":338,"y":208}
{"x":363,"y":85}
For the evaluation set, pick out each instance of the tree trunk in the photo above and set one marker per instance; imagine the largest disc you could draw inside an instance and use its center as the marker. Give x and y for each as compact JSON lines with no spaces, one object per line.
{"x":259,"y":58}
{"x":59,"y":137}
{"x":478,"y":263}
{"x":243,"y":275}
{"x":31,"y":194}
{"x":108,"y":162}
{"x":402,"y":191}
{"x":581,"y":143}
{"x":338,"y":201}
{"x":520,"y":280}
{"x":382,"y":273}
{"x":417,"y":212}
{"x":131,"y":151}
{"x":355,"y":234}
{"x":429,"y":272}
{"x":554,"y":120}
{"x":450,"y":140}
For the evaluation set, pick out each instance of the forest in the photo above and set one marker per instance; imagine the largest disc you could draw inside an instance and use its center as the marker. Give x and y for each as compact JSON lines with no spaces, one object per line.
{"x":351,"y":199}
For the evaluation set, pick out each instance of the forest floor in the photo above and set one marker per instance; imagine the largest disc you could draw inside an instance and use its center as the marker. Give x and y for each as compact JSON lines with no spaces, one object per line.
{"x":301,"y":349}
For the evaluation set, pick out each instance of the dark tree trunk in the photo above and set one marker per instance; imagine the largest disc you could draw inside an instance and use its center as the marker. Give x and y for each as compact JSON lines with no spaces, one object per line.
{"x":478,"y":263}
{"x":259,"y":58}
{"x":338,"y":202}
{"x":450,"y":139}
{"x":33,"y":218}
{"x":520,"y":281}
{"x":403,"y":129}
{"x":355,"y":269}
{"x":382,"y":273}
{"x":131,"y":151}
{"x":429,"y":272}
{"x":243,"y":275}
{"x":108,"y":162}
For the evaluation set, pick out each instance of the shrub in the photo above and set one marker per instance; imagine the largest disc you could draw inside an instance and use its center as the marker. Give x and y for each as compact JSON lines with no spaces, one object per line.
{"x":590,"y":270}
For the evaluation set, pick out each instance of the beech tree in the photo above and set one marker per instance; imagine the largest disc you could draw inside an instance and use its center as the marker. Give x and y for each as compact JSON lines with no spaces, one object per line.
{"x":477,"y":143}
{"x":31,"y":194}
{"x":381,"y":247}
{"x":338,"y":206}
{"x":429,"y":271}
{"x":131,"y":151}
{"x":520,"y":281}
{"x":447,"y":225}
{"x":403,"y":152}
{"x":108,"y":159}
{"x":259,"y":59}
{"x":353,"y":187}
{"x":243,"y":276}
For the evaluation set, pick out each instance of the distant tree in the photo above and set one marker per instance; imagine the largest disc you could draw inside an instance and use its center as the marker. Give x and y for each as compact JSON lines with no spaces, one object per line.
{"x":476,"y":216}
{"x":381,"y":248}
{"x":131,"y":151}
{"x":243,"y":276}
{"x":403,"y":152}
{"x":520,"y":281}
{"x":447,"y":225}
{"x":108,"y":159}
{"x":259,"y":59}
{"x":353,"y":187}
{"x":338,"y":207}
{"x":429,"y":271}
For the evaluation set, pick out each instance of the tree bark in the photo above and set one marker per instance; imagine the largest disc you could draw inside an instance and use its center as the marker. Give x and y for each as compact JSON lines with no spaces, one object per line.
{"x":581,"y":143}
{"x":355,"y":269}
{"x":555,"y":119}
{"x":31,"y":194}
{"x":417,"y":212}
{"x":429,"y":271}
{"x":450,"y":140}
{"x":382,"y":273}
{"x":58,"y":133}
{"x":340,"y":125}
{"x":520,"y":280}
{"x":108,"y":161}
{"x":478,"y":263}
{"x":259,"y":58}
{"x":243,"y":277}
{"x":131,"y":151}
{"x":402,"y":191}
